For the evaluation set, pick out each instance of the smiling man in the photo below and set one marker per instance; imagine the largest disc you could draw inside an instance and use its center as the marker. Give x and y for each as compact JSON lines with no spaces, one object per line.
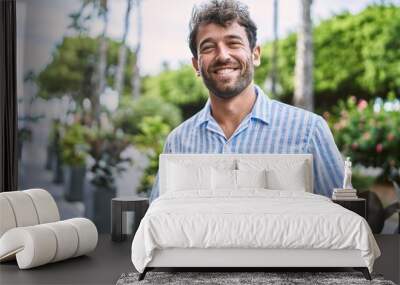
{"x":239,"y":117}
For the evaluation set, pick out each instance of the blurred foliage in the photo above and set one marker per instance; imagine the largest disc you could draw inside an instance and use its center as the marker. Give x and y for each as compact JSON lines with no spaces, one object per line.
{"x":24,"y":134}
{"x":354,"y":54}
{"x":153,"y":133}
{"x":368,"y":132}
{"x":106,"y":147}
{"x":54,"y":133}
{"x":131,"y":113}
{"x":72,"y":70}
{"x":74,"y":146}
{"x":362,"y":182}
{"x":180,"y":87}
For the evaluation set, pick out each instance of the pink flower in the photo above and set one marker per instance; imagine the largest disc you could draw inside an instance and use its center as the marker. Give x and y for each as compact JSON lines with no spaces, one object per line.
{"x":379,"y":148}
{"x":362,"y":105}
{"x":366,"y":136}
{"x":337,"y":126}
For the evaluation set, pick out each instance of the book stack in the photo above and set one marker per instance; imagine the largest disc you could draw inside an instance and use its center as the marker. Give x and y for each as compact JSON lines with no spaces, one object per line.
{"x":344,"y":194}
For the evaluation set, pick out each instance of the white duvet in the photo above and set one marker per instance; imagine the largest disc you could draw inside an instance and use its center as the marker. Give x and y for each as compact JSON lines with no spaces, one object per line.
{"x":252,"y":218}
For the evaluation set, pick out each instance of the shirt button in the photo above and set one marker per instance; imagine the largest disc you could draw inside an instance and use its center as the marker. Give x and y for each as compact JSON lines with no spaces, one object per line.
{"x":226,"y":149}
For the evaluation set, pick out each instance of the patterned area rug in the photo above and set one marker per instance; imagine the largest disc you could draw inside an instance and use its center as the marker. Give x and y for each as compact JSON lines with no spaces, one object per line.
{"x":230,"y":278}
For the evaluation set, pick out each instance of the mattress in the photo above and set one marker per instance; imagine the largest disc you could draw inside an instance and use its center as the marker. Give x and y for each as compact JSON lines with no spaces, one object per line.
{"x":250,"y":219}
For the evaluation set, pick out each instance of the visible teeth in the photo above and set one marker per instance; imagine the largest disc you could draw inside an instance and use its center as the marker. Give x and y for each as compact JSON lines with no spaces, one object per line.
{"x":225,"y":71}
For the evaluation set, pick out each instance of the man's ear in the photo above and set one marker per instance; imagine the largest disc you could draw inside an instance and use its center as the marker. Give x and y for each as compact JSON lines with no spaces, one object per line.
{"x":195,"y":64}
{"x":257,"y":56}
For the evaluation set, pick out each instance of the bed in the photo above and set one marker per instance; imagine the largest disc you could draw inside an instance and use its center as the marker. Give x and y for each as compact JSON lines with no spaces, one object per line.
{"x":247,"y":210}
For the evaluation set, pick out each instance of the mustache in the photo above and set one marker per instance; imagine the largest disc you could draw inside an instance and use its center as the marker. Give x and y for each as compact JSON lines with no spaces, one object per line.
{"x":229,"y":63}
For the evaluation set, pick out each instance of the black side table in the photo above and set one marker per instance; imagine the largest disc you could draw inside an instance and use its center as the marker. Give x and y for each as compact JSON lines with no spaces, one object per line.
{"x":357,"y":205}
{"x":119,"y":207}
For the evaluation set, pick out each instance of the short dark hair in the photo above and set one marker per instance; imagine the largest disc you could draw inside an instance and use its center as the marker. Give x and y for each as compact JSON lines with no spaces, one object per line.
{"x":221,"y":12}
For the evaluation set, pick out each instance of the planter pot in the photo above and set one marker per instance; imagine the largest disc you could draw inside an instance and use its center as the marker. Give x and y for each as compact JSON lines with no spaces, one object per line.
{"x":98,"y":206}
{"x":375,"y":211}
{"x":20,"y":145}
{"x":49,"y":157}
{"x":58,"y":174}
{"x":74,"y":177}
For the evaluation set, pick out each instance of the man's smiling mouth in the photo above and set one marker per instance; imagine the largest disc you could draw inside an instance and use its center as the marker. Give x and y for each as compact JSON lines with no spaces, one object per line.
{"x":223,"y":71}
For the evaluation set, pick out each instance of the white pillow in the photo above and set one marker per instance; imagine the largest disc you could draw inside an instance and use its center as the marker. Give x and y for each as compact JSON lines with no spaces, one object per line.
{"x":251,"y":178}
{"x":223,"y":179}
{"x":293,"y":179}
{"x":188,"y":177}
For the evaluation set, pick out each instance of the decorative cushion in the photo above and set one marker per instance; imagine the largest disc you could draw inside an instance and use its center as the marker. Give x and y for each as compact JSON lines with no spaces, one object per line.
{"x":45,"y":206}
{"x":7,"y":220}
{"x":23,"y":208}
{"x":293,"y":181}
{"x":183,"y":177}
{"x":26,"y":208}
{"x":223,"y":179}
{"x":282,"y":175}
{"x":251,"y":178}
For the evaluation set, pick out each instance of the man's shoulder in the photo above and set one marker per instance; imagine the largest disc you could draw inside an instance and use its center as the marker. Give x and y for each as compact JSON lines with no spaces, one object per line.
{"x":285,"y":108}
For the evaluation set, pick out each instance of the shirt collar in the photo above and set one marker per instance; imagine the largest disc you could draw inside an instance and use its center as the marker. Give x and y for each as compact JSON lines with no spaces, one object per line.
{"x":260,"y":111}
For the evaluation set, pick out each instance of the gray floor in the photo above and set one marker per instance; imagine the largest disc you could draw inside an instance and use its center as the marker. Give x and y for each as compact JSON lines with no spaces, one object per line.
{"x":110,"y":260}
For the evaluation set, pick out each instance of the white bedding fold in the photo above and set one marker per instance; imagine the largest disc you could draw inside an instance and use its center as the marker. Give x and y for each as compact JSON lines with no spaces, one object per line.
{"x":250,"y":218}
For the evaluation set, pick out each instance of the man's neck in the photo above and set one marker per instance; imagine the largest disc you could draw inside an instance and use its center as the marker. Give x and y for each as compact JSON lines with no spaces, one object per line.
{"x":230,"y":112}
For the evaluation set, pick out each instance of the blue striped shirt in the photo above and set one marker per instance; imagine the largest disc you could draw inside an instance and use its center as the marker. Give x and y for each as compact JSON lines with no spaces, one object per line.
{"x":270,"y":127}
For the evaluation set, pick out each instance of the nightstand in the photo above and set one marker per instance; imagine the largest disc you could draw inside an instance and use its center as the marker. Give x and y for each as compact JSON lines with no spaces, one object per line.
{"x":357,"y":205}
{"x":122,"y":209}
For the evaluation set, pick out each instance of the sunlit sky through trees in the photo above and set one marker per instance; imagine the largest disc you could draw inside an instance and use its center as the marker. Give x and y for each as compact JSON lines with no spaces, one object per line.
{"x":165,"y":25}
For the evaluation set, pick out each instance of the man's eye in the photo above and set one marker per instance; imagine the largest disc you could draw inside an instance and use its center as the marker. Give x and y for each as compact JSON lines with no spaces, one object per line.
{"x":206,"y":48}
{"x":235,"y":44}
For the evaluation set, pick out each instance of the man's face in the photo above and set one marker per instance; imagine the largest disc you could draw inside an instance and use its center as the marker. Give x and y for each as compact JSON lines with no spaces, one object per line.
{"x":225,"y":60}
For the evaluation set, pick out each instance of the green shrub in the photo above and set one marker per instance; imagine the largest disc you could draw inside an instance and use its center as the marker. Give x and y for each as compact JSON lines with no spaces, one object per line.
{"x":131,"y":113}
{"x":368,"y":132}
{"x":74,"y":146}
{"x":151,"y":139}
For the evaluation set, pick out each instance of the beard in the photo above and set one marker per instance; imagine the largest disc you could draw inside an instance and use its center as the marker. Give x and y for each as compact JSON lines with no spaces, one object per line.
{"x":230,"y":87}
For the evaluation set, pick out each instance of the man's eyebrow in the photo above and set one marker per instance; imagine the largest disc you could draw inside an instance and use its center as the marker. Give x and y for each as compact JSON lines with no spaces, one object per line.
{"x":231,"y":37}
{"x":235,"y":37}
{"x":207,"y":40}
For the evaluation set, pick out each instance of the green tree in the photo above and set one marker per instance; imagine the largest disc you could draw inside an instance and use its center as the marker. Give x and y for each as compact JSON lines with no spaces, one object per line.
{"x":353,"y":54}
{"x":180,"y":87}
{"x":72,"y":70}
{"x":131,"y":113}
{"x":303,"y":78}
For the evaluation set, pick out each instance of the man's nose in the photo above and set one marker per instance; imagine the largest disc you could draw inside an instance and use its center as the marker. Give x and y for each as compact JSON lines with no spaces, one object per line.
{"x":223,"y":53}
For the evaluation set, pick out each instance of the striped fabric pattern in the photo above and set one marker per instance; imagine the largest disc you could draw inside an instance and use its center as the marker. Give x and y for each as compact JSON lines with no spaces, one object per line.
{"x":271,"y":127}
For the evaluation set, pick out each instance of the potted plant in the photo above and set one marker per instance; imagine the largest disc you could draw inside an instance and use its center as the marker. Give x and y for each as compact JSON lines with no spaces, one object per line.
{"x":74,"y":150}
{"x":105,"y":149}
{"x":54,"y":160}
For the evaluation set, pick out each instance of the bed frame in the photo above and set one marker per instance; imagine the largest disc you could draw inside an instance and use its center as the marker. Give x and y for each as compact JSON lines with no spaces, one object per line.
{"x":242,"y":259}
{"x":246,"y":258}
